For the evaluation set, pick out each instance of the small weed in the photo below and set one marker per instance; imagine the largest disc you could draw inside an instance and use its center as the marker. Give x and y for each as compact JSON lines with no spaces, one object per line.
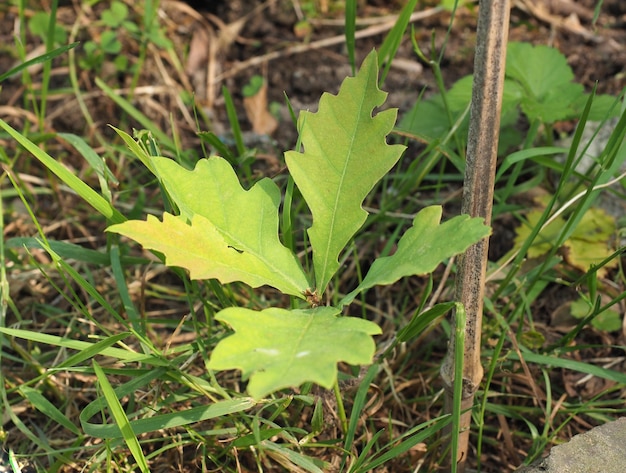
{"x":230,"y":234}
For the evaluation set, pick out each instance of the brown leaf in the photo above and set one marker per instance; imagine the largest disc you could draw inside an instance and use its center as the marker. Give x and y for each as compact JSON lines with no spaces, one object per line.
{"x":263,"y":122}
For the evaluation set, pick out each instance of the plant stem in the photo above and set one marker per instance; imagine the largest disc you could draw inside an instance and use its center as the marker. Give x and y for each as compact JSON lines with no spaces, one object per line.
{"x":482,"y":148}
{"x":341,"y":410}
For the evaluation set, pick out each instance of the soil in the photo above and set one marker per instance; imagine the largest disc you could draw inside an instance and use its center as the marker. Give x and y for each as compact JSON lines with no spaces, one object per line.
{"x":214,"y":39}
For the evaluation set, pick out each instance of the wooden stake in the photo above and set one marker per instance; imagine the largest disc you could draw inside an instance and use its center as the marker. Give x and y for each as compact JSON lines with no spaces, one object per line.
{"x":482,"y":148}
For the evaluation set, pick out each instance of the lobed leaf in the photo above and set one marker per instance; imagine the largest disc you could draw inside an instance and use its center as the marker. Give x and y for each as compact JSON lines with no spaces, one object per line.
{"x":345,"y":155}
{"x":424,"y":246}
{"x":547,"y":79}
{"x":223,"y":232}
{"x":279,"y":348}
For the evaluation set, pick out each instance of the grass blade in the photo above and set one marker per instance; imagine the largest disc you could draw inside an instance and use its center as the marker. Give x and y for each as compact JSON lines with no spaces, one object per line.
{"x":118,"y":353}
{"x":121,"y":420}
{"x":459,"y":361}
{"x":47,"y":408}
{"x":93,"y":350}
{"x":156,"y":422}
{"x":412,"y":437}
{"x":350,"y":27}
{"x":578,"y":366}
{"x":357,"y":408}
{"x":231,"y":111}
{"x":67,"y":250}
{"x":137,"y":115}
{"x":68,"y":177}
{"x":392,"y":41}
{"x":39,"y":59}
{"x":96,"y":162}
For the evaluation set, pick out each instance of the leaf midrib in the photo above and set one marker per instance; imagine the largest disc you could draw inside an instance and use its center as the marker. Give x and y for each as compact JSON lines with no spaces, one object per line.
{"x":339,"y":193}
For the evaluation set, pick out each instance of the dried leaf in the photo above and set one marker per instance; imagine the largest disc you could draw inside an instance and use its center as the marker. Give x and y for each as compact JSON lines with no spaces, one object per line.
{"x":263,"y":122}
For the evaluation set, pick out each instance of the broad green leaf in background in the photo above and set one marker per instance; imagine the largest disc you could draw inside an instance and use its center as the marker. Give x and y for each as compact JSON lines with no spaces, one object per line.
{"x":39,"y":23}
{"x":460,"y":95}
{"x":285,"y":348}
{"x":223,"y":232}
{"x":427,"y":118}
{"x":345,"y":155}
{"x":430,"y":119}
{"x":546,"y":78}
{"x":424,"y":246}
{"x":538,"y":80}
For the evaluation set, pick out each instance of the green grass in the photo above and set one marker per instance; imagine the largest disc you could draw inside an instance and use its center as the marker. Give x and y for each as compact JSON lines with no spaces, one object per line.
{"x":104,"y":352}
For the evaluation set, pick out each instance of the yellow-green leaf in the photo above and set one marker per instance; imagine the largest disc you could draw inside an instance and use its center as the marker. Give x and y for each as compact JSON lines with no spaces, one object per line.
{"x":223,"y":232}
{"x":278,"y":348}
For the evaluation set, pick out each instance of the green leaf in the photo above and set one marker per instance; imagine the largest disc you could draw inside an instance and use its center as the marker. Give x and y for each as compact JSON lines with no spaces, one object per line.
{"x":109,"y":42}
{"x":546,"y":78}
{"x":602,"y":107}
{"x":36,"y":60}
{"x":345,"y":155}
{"x":424,"y":246}
{"x":460,"y":95}
{"x":67,"y":176}
{"x":253,"y":86}
{"x":224,"y":232}
{"x":121,"y":419}
{"x":39,"y":24}
{"x":285,"y":348}
{"x":47,"y":408}
{"x":427,"y":118}
{"x":115,"y":15}
{"x":430,"y":119}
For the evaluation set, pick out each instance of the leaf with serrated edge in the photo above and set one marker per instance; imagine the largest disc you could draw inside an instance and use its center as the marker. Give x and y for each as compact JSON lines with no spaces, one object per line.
{"x":345,"y":155}
{"x":424,"y":246}
{"x":232,"y":234}
{"x":278,"y":348}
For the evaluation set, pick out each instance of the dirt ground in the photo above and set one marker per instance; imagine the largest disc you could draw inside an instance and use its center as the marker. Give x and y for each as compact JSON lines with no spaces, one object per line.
{"x":596,"y":53}
{"x":226,"y":43}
